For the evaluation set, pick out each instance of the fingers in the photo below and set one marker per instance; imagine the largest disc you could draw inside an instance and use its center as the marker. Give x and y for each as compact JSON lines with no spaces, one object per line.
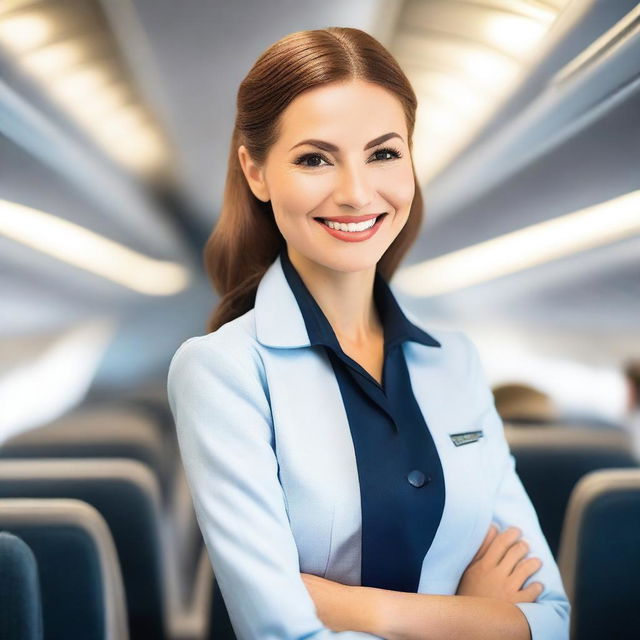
{"x":514,"y":554}
{"x":524,"y":569}
{"x":532,"y":592}
{"x":486,"y":543}
{"x":500,"y":545}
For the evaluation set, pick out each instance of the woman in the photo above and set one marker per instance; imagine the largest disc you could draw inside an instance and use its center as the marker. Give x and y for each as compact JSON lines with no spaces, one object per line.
{"x":345,"y":464}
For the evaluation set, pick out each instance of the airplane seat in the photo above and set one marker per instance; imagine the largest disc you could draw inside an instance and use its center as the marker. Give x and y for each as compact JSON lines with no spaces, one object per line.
{"x":179,"y":514}
{"x":81,"y":586}
{"x":599,"y":555}
{"x":127,"y":429}
{"x":180,"y":511}
{"x":127,"y":495}
{"x":20,"y":605}
{"x":182,"y":526}
{"x":551,"y":459}
{"x":104,"y":430}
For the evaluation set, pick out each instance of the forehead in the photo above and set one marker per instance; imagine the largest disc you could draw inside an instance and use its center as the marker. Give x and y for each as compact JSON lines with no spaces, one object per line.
{"x":354,"y":111}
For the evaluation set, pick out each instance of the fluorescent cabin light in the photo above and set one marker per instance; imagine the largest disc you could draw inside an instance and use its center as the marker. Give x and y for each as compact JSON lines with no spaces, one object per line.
{"x":77,"y":85}
{"x":517,"y":35}
{"x":82,"y":75}
{"x":53,"y":59}
{"x":587,"y":228}
{"x":88,"y":250}
{"x":463,"y":62}
{"x":448,"y":88}
{"x":25,"y":31}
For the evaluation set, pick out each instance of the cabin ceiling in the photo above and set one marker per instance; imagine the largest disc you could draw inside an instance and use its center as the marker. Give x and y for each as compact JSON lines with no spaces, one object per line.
{"x":185,"y":61}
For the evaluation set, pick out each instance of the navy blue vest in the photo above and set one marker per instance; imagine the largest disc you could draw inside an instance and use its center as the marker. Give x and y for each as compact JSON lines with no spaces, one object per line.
{"x":402,"y":488}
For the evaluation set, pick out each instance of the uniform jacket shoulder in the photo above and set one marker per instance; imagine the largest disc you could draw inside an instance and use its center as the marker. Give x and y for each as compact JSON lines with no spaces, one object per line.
{"x":231,"y":350}
{"x":458,"y":352}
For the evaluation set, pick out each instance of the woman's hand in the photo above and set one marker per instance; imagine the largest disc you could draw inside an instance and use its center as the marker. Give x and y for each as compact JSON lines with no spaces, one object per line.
{"x":499,"y":569}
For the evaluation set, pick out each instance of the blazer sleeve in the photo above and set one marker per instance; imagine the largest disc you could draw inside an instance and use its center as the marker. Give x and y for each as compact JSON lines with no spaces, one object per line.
{"x":548,"y":616}
{"x":223,"y":419}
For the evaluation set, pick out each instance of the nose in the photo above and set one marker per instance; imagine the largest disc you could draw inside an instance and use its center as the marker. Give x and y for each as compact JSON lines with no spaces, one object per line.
{"x":353,"y":189}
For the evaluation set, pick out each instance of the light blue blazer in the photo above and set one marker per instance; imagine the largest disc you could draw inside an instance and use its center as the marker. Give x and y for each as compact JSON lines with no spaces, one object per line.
{"x":268,"y":454}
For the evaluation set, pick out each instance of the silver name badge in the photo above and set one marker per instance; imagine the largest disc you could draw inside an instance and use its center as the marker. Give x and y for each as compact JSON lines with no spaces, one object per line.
{"x":466,"y":437}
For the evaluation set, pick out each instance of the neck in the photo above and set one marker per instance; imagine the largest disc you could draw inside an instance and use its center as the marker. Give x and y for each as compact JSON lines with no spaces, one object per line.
{"x":346,"y":298}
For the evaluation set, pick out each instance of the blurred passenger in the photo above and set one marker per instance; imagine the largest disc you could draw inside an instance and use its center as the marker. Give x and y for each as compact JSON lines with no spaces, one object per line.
{"x":632,"y":421}
{"x":523,"y":404}
{"x":584,"y":394}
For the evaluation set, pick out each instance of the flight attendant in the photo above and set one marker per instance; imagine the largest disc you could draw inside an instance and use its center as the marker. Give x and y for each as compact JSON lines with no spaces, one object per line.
{"x":348,"y":468}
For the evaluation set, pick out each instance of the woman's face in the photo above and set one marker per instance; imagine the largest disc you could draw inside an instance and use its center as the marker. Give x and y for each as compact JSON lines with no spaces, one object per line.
{"x":341,"y":175}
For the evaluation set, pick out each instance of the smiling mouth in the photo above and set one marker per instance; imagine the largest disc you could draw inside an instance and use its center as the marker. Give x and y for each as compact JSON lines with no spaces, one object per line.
{"x":375,"y":220}
{"x":358,"y":231}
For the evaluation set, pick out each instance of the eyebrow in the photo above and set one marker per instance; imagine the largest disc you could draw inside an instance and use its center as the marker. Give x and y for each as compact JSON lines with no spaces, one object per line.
{"x":327,"y":146}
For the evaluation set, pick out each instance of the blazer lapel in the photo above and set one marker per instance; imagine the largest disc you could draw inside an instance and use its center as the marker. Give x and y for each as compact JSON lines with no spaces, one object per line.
{"x":435,"y":380}
{"x":279,"y":321}
{"x":317,"y":463}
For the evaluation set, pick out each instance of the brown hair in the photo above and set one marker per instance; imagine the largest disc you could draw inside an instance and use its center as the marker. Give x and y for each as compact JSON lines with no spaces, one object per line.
{"x":246,"y":239}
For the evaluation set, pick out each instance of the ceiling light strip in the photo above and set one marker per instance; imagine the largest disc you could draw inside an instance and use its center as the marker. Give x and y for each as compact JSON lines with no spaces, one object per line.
{"x":588,"y":228}
{"x":629,"y":24}
{"x":90,"y":251}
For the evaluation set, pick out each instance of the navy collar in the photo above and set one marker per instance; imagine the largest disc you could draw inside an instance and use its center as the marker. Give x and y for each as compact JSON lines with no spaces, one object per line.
{"x":397,"y":327}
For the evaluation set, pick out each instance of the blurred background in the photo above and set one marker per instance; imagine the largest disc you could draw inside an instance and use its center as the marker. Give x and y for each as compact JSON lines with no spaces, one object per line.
{"x":115,"y":123}
{"x":115,"y":120}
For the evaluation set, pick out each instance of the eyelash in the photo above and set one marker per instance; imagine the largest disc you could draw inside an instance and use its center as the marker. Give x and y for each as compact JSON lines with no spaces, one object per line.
{"x":393,"y":151}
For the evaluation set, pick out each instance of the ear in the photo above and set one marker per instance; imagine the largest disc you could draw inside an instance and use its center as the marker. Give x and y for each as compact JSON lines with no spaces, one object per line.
{"x":254,"y":175}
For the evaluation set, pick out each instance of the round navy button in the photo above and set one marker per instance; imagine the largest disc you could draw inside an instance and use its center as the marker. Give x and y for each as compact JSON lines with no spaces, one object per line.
{"x":417,"y":478}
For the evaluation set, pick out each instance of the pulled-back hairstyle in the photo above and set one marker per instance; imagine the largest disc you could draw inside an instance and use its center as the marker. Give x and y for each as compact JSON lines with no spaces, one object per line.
{"x":246,"y":239}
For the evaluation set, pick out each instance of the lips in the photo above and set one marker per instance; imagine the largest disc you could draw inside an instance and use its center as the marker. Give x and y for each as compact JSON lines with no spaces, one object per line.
{"x":354,"y":236}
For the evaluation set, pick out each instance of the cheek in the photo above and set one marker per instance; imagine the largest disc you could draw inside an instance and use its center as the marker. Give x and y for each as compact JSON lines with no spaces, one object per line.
{"x":399,"y":188}
{"x":299,"y":195}
{"x":399,"y":192}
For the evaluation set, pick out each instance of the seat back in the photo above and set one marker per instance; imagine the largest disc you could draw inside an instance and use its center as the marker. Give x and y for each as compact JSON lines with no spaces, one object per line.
{"x":20,"y":605}
{"x":126,"y":494}
{"x":550,"y":460}
{"x":80,"y":580}
{"x":600,"y":556}
{"x":139,"y":432}
{"x":98,"y":431}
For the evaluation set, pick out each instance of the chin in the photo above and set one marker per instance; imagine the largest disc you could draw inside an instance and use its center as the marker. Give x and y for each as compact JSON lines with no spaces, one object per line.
{"x":353,"y":263}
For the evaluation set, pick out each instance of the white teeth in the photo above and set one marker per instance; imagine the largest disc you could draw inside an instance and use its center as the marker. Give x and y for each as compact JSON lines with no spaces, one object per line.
{"x":351,"y":226}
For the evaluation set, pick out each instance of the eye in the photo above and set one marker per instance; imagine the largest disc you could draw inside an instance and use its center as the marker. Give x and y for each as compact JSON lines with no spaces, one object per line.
{"x":395,"y":153}
{"x":309,"y":156}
